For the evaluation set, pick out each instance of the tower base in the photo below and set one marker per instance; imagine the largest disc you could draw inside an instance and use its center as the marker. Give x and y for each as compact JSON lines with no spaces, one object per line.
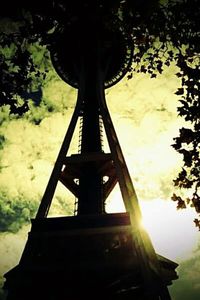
{"x":91,"y":256}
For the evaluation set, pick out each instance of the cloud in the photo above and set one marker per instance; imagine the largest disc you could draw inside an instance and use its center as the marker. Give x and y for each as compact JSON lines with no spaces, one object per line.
{"x":144,"y":113}
{"x":27,"y":155}
{"x":15,"y":212}
{"x":11,"y":249}
{"x":187,"y":286}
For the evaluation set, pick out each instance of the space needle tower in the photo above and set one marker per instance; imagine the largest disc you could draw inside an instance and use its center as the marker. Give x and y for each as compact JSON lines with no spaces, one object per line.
{"x":92,"y":254}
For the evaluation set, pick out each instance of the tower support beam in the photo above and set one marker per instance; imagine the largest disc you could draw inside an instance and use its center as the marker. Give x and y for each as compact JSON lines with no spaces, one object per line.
{"x":54,"y":177}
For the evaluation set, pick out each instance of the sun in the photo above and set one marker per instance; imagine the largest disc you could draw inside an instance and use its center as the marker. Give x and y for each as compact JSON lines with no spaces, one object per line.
{"x":172,"y":232}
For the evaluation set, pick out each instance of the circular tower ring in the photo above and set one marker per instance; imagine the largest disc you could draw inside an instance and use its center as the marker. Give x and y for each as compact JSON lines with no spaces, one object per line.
{"x":115,"y":53}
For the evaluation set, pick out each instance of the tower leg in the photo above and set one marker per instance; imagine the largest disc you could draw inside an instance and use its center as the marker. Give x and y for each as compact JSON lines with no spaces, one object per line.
{"x":149,"y":264}
{"x":54,"y":177}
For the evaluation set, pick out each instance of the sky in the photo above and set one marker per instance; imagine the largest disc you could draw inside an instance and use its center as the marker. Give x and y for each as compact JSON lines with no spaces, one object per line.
{"x":144,"y":112}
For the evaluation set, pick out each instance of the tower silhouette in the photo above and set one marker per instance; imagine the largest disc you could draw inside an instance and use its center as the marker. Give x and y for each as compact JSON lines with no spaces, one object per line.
{"x":93,"y":254}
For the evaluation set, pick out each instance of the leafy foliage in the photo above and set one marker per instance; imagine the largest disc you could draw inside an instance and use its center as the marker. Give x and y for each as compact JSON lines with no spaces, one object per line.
{"x":161,"y":32}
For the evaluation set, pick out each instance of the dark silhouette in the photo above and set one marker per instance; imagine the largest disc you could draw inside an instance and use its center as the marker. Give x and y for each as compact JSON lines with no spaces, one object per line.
{"x":91,"y":254}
